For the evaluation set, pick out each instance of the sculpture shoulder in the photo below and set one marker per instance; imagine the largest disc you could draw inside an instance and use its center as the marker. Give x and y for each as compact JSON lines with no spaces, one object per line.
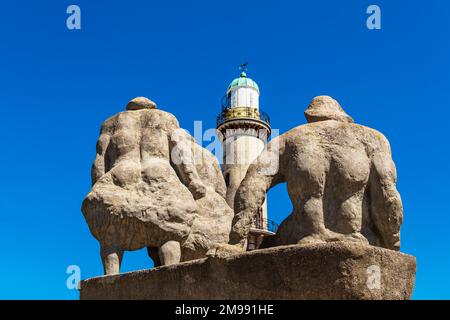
{"x":294,"y":132}
{"x":108,"y":125}
{"x":160,"y":117}
{"x":116,"y":120}
{"x":153,"y":116}
{"x":373,"y":139}
{"x":315,"y":128}
{"x":307,"y":131}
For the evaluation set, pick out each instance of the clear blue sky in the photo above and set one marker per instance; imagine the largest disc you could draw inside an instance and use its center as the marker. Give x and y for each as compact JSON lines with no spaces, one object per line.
{"x":58,"y":86}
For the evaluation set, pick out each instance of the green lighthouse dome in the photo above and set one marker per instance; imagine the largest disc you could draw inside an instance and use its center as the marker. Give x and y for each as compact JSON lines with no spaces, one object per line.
{"x":243,"y":81}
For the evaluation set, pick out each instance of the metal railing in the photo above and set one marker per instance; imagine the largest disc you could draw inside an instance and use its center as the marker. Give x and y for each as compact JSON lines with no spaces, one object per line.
{"x":265,"y":224}
{"x":242,"y":113}
{"x":226,"y":102}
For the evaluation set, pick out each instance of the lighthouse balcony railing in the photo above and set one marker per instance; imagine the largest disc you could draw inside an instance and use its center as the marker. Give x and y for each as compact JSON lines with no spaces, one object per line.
{"x":226,"y":102}
{"x":265,"y":224}
{"x":242,"y":113}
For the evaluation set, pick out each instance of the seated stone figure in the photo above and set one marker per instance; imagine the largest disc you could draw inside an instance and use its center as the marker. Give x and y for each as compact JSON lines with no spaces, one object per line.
{"x":340,"y":178}
{"x":154,"y":187}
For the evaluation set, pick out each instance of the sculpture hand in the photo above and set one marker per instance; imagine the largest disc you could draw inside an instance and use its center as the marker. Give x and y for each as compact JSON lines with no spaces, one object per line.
{"x":198,"y":189}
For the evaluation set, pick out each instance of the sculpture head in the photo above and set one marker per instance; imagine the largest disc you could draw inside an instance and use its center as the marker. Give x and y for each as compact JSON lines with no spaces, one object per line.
{"x":141,"y":103}
{"x":326,"y":108}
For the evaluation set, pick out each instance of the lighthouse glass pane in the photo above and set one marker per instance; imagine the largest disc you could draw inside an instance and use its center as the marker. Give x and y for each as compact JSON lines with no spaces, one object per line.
{"x":234,"y":99}
{"x":242,"y":97}
{"x":254,"y":99}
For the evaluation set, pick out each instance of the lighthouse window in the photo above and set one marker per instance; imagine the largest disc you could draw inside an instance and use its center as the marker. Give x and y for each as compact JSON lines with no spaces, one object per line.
{"x":234,"y":99}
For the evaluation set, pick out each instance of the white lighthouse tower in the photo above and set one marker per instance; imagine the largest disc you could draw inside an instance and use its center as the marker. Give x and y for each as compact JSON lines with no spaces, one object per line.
{"x":243,"y":128}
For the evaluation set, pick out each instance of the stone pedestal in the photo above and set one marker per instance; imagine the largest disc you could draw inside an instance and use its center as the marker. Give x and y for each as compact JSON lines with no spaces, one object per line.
{"x":325,"y":271}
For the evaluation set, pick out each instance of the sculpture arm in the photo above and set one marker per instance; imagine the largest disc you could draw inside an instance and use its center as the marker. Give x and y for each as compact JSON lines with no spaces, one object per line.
{"x":264,"y":173}
{"x":386,"y":204}
{"x":99,"y":168}
{"x":221,"y":188}
{"x":182,"y":157}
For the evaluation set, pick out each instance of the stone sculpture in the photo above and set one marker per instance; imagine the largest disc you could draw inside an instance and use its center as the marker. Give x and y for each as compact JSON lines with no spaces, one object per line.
{"x":340,"y":178}
{"x":154,"y":187}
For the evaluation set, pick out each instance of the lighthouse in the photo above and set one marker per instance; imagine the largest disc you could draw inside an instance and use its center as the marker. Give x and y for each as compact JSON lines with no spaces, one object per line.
{"x":243,"y":129}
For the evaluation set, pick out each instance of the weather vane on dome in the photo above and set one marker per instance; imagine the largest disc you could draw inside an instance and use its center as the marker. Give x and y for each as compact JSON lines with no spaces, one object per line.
{"x":243,"y":67}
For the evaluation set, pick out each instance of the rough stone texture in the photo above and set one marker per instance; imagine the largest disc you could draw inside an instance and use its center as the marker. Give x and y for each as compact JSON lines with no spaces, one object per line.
{"x":318,"y":271}
{"x":154,"y":187}
{"x":340,"y":178}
